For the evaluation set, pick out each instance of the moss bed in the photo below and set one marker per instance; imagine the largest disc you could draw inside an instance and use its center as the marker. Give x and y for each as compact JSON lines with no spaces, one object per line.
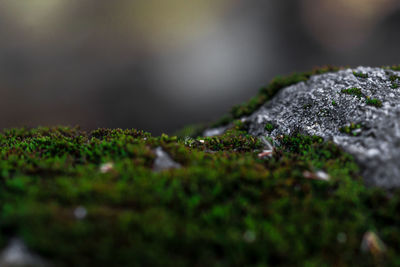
{"x":226,"y":206}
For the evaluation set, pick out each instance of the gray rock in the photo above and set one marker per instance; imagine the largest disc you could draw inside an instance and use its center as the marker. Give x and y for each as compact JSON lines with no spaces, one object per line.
{"x":318,"y":107}
{"x":16,"y":254}
{"x":163,"y":161}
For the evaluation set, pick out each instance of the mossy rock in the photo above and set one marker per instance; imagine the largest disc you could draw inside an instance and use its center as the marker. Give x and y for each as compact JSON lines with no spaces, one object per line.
{"x":81,"y":198}
{"x":326,"y":104}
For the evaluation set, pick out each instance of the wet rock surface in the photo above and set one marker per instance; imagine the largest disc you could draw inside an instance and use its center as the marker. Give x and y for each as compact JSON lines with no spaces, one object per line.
{"x":364,"y":121}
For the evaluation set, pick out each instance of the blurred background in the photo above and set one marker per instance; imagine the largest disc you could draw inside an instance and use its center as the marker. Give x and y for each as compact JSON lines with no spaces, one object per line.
{"x":158,"y":65}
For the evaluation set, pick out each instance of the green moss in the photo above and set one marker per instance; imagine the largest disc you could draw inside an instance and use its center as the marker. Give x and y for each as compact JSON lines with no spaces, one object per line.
{"x":357,"y":92}
{"x":225,"y":206}
{"x":360,"y":75}
{"x":234,"y":139}
{"x":334,"y":103}
{"x":373,"y":102}
{"x":395,"y":79}
{"x":395,"y":67}
{"x":353,"y":129}
{"x":270,"y":127}
{"x":353,"y":91}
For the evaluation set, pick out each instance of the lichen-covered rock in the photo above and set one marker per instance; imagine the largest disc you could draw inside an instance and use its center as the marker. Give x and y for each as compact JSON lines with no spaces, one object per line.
{"x":359,"y":109}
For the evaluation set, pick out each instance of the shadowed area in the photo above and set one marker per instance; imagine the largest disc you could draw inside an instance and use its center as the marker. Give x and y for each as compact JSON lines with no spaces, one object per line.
{"x":158,"y":65}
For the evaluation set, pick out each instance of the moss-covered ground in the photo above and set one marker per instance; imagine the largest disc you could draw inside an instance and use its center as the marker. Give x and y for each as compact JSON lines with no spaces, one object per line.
{"x":226,"y":205}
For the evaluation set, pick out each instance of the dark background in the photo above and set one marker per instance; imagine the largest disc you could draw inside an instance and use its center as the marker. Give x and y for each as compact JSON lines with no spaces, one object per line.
{"x":159,"y":65}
